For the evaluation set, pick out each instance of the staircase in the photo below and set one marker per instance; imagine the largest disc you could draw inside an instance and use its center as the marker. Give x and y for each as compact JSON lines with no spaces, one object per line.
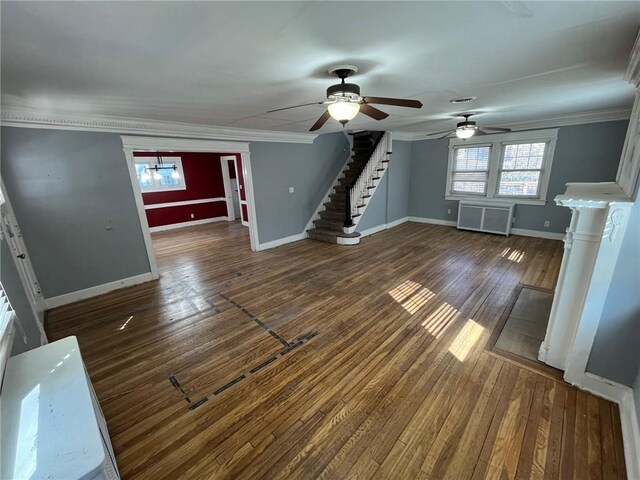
{"x":352,"y":191}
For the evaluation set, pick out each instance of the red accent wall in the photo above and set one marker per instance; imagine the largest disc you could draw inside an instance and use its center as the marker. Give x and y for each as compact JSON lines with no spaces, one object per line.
{"x":245,"y":213}
{"x":182,"y":213}
{"x":203,"y":176}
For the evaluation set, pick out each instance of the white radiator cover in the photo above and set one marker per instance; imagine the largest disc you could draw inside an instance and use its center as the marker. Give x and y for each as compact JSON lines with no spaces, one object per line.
{"x":485,"y":217}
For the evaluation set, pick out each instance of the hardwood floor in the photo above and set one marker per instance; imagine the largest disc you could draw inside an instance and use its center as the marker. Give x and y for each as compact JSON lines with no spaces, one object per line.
{"x":397,"y":383}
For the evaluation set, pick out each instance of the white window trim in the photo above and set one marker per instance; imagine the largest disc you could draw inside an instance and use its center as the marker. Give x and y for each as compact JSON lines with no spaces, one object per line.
{"x":450,"y":172}
{"x":497,"y":143}
{"x":165,"y":188}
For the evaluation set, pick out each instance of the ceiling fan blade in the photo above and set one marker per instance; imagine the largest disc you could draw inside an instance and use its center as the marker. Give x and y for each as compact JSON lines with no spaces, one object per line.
{"x":479,"y":131}
{"x":398,"y":102}
{"x":295,"y":106}
{"x":440,"y":133}
{"x":321,"y":121}
{"x":373,"y":112}
{"x":497,"y":129}
{"x":447,"y":135}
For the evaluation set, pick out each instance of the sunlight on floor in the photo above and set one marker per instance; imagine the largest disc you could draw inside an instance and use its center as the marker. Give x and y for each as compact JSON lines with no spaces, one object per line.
{"x":440,"y":320}
{"x":125,"y":323}
{"x":411,"y":295}
{"x":466,"y":340}
{"x":512,"y":254}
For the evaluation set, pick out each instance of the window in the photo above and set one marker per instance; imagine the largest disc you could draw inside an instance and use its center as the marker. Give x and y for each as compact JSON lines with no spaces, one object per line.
{"x":159,"y":173}
{"x":510,"y":166}
{"x":470,"y":170}
{"x":521,"y":169}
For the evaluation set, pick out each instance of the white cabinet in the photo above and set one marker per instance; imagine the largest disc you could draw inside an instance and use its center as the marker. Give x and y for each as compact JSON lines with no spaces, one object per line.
{"x":52,"y":426}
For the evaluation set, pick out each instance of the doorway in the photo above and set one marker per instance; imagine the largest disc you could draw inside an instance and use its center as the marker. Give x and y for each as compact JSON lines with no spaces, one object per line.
{"x":13,"y":245}
{"x":136,"y":146}
{"x":234,"y":183}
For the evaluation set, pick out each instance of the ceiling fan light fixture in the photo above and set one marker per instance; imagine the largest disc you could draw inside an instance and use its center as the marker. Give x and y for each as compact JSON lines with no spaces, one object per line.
{"x":465,"y":132}
{"x":343,"y":111}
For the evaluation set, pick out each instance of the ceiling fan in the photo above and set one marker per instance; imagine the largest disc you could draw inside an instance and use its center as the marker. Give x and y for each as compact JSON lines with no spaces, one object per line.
{"x":344,"y":100}
{"x":467,"y":129}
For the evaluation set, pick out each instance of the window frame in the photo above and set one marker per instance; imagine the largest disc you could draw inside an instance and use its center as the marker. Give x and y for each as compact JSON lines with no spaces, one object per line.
{"x":498,"y":143}
{"x":167,"y":159}
{"x":452,"y":172}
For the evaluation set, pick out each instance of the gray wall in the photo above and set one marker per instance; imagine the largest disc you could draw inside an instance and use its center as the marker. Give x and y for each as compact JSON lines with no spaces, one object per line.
{"x":390,"y":201}
{"x":616,"y":349}
{"x":310,"y":169}
{"x":73,"y":199}
{"x":584,"y":153}
{"x":19,"y":301}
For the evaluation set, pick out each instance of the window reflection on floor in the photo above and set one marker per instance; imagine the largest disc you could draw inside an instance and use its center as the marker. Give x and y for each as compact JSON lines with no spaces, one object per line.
{"x":411,"y":295}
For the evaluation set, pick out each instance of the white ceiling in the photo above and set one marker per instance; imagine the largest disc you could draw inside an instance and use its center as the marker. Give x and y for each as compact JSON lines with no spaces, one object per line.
{"x":227,"y":63}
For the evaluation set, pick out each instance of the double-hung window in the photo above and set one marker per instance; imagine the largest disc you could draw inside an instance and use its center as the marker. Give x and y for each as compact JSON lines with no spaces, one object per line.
{"x":510,"y":167}
{"x":521,"y":170}
{"x":159,"y":174}
{"x":470,"y":172}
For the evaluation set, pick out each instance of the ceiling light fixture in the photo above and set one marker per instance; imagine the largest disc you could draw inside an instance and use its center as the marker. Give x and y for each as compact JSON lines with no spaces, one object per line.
{"x":343,"y":111}
{"x":465,"y":132}
{"x":462,"y":100}
{"x":156,"y":170}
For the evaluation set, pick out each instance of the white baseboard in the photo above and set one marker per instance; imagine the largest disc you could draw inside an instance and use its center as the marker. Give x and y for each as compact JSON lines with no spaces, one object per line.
{"x":162,"y":228}
{"x":434,"y":221}
{"x":395,"y":223}
{"x":72,"y":297}
{"x":514,"y":231}
{"x":623,"y":396}
{"x":371,"y":231}
{"x":537,"y":233}
{"x":384,"y":226}
{"x":282,"y":241}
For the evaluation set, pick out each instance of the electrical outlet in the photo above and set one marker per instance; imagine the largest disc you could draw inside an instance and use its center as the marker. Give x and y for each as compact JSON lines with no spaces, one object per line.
{"x":547,"y":223}
{"x":193,"y":216}
{"x":291,"y":189}
{"x":448,"y":211}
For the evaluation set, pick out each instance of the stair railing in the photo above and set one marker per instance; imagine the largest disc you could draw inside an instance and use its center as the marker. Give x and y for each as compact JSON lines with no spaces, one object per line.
{"x":356,"y":192}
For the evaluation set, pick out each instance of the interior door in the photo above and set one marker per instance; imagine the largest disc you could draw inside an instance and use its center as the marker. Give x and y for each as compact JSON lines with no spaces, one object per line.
{"x":12,"y":234}
{"x":236,"y":198}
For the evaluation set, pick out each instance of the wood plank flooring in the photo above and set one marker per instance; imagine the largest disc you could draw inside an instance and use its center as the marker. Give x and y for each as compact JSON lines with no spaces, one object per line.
{"x":398,"y":383}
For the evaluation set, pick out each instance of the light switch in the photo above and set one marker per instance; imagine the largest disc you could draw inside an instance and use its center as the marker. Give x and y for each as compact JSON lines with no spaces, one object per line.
{"x":291,"y":190}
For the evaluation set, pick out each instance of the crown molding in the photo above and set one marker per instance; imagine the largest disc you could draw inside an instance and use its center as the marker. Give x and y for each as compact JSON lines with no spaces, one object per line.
{"x":28,"y":118}
{"x":596,"y":116}
{"x":633,"y":69}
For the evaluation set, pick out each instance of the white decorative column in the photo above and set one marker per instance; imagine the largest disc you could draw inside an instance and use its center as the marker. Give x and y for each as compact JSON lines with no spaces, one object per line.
{"x":600,"y":212}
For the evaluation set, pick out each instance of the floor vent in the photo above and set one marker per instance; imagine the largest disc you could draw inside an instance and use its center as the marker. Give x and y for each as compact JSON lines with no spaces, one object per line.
{"x":485,"y":217}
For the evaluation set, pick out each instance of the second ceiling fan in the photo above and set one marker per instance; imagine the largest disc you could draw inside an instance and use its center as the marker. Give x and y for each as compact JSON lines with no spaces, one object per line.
{"x":344,"y":101}
{"x":467,"y":129}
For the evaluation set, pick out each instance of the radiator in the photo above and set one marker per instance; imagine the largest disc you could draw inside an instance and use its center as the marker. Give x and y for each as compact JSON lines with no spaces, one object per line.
{"x":485,"y":217}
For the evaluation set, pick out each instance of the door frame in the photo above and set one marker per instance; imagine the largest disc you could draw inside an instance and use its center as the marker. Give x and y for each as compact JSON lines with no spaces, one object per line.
{"x":24,"y":267}
{"x":226,"y":179}
{"x":132,"y":144}
{"x":240,"y":201}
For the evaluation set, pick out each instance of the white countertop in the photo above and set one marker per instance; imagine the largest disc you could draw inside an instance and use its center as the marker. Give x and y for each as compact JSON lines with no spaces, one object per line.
{"x":48,"y":427}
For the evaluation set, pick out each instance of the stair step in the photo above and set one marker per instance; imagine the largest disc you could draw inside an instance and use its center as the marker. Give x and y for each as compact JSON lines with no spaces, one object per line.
{"x":331,"y":215}
{"x":323,"y":235}
{"x":331,"y":236}
{"x":329,"y":224}
{"x":334,"y":207}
